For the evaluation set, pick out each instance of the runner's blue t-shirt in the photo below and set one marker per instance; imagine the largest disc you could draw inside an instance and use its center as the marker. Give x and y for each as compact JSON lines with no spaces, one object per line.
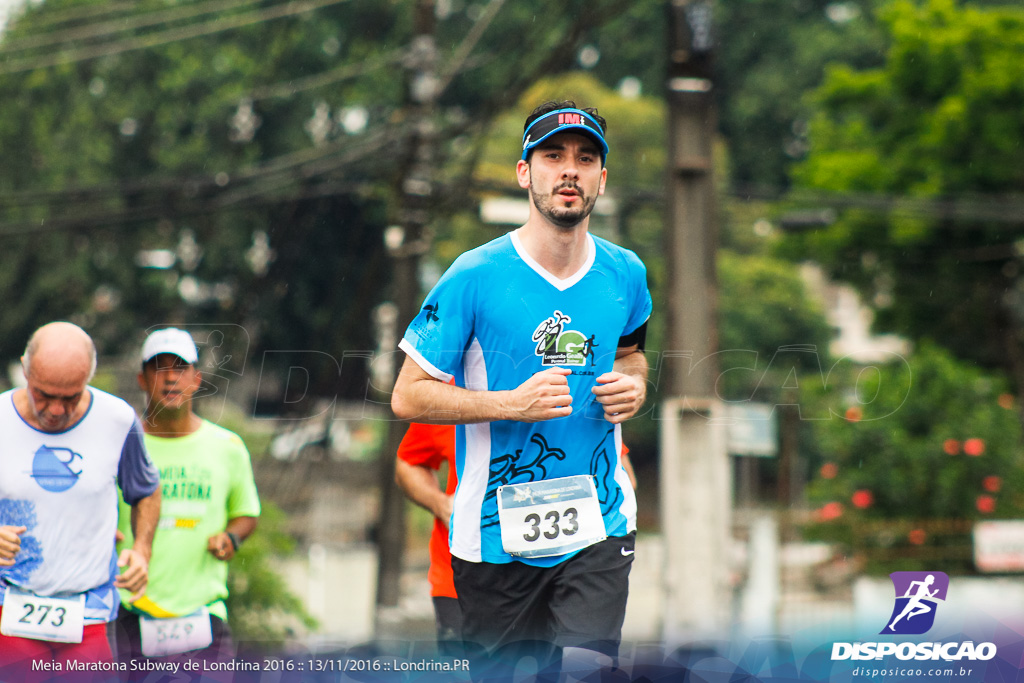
{"x":494,"y":319}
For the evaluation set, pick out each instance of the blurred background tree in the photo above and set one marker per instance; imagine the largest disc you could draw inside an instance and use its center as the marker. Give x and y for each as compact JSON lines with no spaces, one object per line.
{"x":236,"y":162}
{"x":914,"y":453}
{"x":938,"y":123}
{"x":927,"y":141}
{"x":264,"y":613}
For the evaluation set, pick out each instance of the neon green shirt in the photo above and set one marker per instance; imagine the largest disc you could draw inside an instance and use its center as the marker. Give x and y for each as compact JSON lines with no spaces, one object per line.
{"x":206,"y":479}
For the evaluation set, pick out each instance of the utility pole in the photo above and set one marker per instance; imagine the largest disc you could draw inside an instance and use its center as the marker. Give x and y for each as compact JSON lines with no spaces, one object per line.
{"x":407,"y":242}
{"x":695,"y":475}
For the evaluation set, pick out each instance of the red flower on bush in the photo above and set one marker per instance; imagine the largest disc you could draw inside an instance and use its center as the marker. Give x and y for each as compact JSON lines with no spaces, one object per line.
{"x":992,"y":483}
{"x":862,"y":499}
{"x":951,"y":446}
{"x":917,"y":536}
{"x":974,"y":447}
{"x":829,"y":511}
{"x":985,"y":504}
{"x":829,"y":470}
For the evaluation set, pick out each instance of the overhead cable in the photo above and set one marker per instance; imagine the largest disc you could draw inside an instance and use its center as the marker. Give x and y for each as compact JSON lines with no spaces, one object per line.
{"x":455,"y":65}
{"x":119,"y":25}
{"x":68,"y":14}
{"x":164,"y":37}
{"x":341,"y":73}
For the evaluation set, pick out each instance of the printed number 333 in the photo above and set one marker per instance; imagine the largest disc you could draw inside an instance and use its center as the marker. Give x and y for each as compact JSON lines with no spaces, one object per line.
{"x":534,"y":520}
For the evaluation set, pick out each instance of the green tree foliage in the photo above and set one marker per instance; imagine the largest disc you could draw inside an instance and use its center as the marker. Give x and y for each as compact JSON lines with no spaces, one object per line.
{"x":764,"y":308}
{"x":940,"y":119}
{"x":259,"y":125}
{"x":913,"y":453}
{"x":262,"y":612}
{"x":184,"y":143}
{"x":769,"y":53}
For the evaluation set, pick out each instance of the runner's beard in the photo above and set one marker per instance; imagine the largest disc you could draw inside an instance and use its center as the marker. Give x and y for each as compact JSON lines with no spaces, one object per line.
{"x":564,"y":217}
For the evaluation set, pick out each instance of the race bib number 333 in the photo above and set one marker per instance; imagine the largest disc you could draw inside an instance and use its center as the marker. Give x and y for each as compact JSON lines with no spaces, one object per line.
{"x":59,"y":620}
{"x":551,"y":517}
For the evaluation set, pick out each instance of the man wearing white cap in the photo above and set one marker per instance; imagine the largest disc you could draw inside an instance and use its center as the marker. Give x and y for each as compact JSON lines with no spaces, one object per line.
{"x":210,"y":507}
{"x":65,"y":444}
{"x":544,"y":517}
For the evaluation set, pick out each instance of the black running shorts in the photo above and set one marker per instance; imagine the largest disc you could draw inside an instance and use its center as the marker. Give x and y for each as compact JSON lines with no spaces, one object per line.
{"x":578,"y":603}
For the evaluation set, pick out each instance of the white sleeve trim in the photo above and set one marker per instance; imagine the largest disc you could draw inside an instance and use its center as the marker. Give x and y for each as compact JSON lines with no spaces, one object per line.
{"x":426,"y":365}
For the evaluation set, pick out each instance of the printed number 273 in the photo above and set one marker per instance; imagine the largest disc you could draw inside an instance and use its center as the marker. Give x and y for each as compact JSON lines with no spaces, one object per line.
{"x":43,"y":611}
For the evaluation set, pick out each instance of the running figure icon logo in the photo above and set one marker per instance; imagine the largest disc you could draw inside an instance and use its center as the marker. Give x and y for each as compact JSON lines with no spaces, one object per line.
{"x":917,"y":598}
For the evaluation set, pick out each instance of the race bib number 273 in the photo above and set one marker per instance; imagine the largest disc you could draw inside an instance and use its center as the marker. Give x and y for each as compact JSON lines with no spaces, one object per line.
{"x":59,"y":620}
{"x":550,"y":517}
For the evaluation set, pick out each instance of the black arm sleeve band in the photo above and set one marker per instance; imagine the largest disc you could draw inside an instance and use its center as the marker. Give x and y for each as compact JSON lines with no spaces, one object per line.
{"x":637,"y":336}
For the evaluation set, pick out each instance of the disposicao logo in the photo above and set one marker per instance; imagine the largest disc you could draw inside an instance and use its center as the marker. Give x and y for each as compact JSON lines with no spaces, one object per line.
{"x":918,"y":596}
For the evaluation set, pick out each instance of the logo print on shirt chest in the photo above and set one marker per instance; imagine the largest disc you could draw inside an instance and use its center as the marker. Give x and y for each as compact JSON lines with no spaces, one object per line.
{"x":559,"y":346}
{"x":52,"y":468}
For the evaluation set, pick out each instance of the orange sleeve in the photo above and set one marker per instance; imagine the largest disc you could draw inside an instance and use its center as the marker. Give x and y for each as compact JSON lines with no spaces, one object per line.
{"x":425,"y":444}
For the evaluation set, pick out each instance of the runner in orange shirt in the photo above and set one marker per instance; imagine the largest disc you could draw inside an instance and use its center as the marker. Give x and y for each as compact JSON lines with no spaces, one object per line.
{"x":421,"y":453}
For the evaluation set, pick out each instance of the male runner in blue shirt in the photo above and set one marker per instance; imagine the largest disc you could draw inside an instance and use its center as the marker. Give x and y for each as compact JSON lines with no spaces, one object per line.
{"x":544,"y":519}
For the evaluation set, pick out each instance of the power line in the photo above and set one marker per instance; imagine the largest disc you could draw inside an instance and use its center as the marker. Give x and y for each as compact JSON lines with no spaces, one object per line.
{"x":164,"y":37}
{"x":69,"y":14}
{"x":155,"y":211}
{"x":229,"y":187}
{"x":285,"y":89}
{"x":460,"y":62}
{"x":967,"y":211}
{"x":341,"y":73}
{"x":304,"y":167}
{"x":279,"y":90}
{"x":257,"y":184}
{"x":120,"y":25}
{"x":964,"y":211}
{"x":312,"y":161}
{"x":319,"y":156}
{"x":469,"y":42}
{"x":194,"y":184}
